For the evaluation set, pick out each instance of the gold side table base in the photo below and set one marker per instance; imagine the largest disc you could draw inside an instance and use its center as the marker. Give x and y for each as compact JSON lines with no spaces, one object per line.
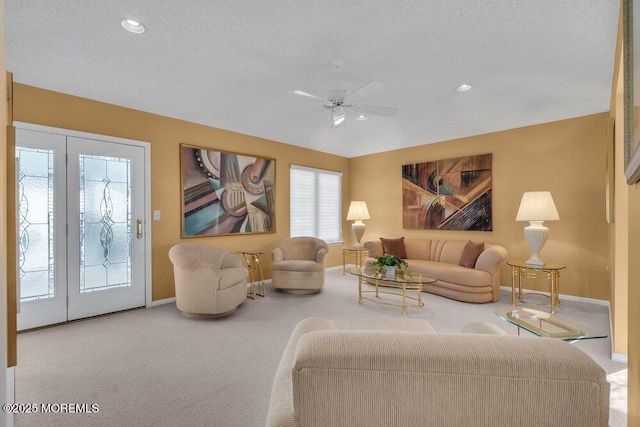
{"x":256,"y":287}
{"x":549,"y":271}
{"x":356,"y":253}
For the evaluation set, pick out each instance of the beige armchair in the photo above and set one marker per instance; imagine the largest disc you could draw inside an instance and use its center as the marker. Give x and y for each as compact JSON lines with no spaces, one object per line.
{"x":210,"y":282}
{"x":297,"y":265}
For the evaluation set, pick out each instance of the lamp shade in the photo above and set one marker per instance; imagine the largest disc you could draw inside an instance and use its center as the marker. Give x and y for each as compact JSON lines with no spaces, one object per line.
{"x":358,"y":211}
{"x":537,"y":206}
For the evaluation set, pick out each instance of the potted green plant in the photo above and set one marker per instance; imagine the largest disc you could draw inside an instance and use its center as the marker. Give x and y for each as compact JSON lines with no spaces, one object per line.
{"x":387,"y":264}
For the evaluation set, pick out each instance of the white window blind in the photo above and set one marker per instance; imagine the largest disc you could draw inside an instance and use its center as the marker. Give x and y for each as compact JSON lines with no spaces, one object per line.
{"x":316,"y":200}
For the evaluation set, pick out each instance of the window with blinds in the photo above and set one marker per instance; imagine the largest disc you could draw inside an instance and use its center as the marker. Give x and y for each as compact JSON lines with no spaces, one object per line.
{"x":316,"y":199}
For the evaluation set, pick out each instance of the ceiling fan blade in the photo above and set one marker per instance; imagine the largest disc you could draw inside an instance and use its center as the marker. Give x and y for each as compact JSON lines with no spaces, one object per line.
{"x":368,"y":88}
{"x":303,"y":93}
{"x":380,"y":111}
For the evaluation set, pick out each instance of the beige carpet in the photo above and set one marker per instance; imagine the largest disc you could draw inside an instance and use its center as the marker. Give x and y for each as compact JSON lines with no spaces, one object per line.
{"x":154,"y":367}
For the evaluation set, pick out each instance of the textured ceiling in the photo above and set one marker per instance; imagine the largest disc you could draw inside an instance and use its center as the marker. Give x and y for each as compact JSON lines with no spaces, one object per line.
{"x":234,"y":64}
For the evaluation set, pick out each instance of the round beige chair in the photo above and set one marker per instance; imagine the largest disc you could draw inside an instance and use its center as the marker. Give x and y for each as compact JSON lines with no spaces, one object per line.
{"x":297,"y":265}
{"x":210,"y":282}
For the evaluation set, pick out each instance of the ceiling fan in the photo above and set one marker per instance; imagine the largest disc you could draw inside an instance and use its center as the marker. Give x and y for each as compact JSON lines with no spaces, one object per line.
{"x":339,"y":101}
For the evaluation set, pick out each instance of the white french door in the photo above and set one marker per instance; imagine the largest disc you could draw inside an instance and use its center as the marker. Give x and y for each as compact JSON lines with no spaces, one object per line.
{"x":81,"y":239}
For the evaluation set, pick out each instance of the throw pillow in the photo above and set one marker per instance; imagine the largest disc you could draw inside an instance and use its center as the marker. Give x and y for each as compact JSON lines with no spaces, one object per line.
{"x":394,"y":247}
{"x":470,"y":254}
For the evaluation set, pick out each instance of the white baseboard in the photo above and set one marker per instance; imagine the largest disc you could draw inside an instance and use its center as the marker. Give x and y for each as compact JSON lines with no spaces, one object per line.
{"x":621,"y":358}
{"x":162,"y":301}
{"x":568,"y":297}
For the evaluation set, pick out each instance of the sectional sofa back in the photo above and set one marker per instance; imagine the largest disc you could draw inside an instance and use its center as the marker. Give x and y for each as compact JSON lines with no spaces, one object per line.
{"x":426,"y":249}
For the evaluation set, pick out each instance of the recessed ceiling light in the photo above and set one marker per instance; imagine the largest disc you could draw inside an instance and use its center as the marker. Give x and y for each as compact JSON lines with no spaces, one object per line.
{"x":464,"y":87}
{"x":361,"y":117}
{"x":132,"y":25}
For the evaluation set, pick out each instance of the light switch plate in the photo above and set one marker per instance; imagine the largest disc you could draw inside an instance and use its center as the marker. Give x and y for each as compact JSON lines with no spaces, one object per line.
{"x":156,"y":215}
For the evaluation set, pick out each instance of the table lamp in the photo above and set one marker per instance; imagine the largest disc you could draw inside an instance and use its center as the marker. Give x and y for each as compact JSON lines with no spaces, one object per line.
{"x":357,"y":212}
{"x":536,"y":207}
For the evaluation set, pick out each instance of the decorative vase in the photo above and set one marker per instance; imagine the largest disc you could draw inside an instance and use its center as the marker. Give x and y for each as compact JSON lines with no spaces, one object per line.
{"x":390,"y":272}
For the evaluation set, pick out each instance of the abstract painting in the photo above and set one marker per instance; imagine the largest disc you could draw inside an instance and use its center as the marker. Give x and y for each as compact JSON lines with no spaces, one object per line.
{"x":451,"y":194}
{"x":226,"y":193}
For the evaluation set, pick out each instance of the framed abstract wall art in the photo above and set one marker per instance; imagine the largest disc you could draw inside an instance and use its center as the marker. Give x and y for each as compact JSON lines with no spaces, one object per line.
{"x":451,"y":194}
{"x":225,"y":193}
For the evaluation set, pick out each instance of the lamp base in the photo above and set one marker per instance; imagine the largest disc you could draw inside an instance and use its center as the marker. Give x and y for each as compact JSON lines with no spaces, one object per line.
{"x":358,"y":231}
{"x":535,"y":261}
{"x":536,"y":235}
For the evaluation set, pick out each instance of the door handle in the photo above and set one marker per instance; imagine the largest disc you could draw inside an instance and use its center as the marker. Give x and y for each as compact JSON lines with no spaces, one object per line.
{"x":139,"y":228}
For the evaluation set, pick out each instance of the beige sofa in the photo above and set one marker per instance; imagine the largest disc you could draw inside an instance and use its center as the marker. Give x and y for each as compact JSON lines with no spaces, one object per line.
{"x":399,"y":373}
{"x":440,"y":259}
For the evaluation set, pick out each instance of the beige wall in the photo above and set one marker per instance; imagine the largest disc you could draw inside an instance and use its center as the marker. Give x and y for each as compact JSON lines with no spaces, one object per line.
{"x":34,"y":105}
{"x":565,"y":157}
{"x":620,"y":247}
{"x":633,"y":304}
{"x":626,"y":250}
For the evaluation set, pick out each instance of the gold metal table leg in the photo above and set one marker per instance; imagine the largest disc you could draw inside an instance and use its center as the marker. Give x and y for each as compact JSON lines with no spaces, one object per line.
{"x":256,"y":261}
{"x":344,"y":262}
{"x":404,"y":299}
{"x":554,"y":277}
{"x":513,"y":286}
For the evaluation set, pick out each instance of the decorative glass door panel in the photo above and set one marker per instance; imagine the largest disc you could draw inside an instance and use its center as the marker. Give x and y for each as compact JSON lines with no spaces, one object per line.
{"x":35,"y":223}
{"x":41,"y":220}
{"x":105,"y":223}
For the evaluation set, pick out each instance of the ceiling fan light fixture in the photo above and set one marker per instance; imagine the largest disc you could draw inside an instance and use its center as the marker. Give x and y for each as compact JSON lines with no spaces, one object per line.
{"x":337,"y":115}
{"x":464,"y":87}
{"x":132,"y":25}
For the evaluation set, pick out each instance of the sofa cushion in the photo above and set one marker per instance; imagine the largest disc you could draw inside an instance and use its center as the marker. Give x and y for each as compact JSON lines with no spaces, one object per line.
{"x":418,"y":248}
{"x":470,"y":254}
{"x":394,"y":247}
{"x":297,"y":265}
{"x":447,"y":251}
{"x":452,"y":273}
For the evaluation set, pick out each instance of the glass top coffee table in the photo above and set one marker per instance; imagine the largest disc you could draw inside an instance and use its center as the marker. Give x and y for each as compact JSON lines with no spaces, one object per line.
{"x":546,"y":325}
{"x":404,"y":282}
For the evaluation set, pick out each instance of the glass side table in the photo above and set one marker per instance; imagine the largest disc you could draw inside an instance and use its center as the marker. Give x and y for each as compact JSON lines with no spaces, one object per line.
{"x":357,"y":253}
{"x":546,"y":325}
{"x":257,"y":286}
{"x":549,"y":271}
